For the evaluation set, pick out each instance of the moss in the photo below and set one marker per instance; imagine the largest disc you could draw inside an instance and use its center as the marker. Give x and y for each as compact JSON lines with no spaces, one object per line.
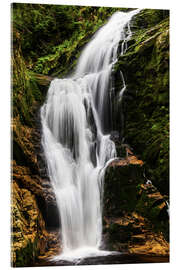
{"x":145,"y":66}
{"x":148,"y":18}
{"x":154,"y":209}
{"x":52,"y":36}
{"x":146,"y":100}
{"x":25,"y":92}
{"x":120,"y":185}
{"x":27,"y":255}
{"x":119,"y":233}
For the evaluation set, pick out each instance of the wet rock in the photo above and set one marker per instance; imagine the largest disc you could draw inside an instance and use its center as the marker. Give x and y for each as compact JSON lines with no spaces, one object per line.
{"x":114,"y":136}
{"x":34,"y":208}
{"x":145,"y":66}
{"x":29,"y":236}
{"x":133,"y":219}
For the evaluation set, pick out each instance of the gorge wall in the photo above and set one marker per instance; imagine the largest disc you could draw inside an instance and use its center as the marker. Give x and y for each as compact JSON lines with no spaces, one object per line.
{"x":136,"y":209}
{"x":135,"y":213}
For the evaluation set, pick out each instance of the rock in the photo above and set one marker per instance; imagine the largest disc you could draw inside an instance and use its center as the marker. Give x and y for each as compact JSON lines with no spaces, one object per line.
{"x":121,"y":180}
{"x":29,"y":236}
{"x":145,"y":66}
{"x":133,"y":220}
{"x":114,"y":136}
{"x":34,"y":208}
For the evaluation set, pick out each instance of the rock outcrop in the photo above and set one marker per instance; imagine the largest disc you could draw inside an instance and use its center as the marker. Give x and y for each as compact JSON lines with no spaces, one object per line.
{"x":145,"y":104}
{"x":135,"y":213}
{"x":34,"y":209}
{"x":29,"y":235}
{"x":136,"y":209}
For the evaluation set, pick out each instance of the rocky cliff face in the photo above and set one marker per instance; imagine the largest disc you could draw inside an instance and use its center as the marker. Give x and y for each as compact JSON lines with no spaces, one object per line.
{"x":146,"y":99}
{"x":135,"y":213}
{"x":136,"y":209}
{"x":28,"y":232}
{"x":34,"y":210}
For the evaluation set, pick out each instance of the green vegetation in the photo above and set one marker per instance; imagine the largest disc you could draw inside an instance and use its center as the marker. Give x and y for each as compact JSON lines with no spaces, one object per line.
{"x":47,"y":39}
{"x":52,"y":36}
{"x":120,"y":189}
{"x":146,"y":101}
{"x":126,"y":193}
{"x":26,"y":256}
{"x":25,"y":89}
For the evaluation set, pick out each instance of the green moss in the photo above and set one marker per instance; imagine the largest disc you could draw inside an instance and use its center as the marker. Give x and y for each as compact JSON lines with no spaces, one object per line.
{"x":120,"y":185}
{"x":146,"y":69}
{"x":119,"y":233}
{"x":149,"y":17}
{"x":25,"y":90}
{"x":27,"y":255}
{"x":52,"y":36}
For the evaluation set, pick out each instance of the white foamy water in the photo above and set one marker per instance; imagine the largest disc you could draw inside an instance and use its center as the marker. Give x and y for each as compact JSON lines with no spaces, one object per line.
{"x":75,"y":122}
{"x":79,"y":254}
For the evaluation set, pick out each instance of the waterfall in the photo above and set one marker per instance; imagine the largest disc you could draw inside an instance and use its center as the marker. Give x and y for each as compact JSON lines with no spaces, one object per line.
{"x":76,"y":122}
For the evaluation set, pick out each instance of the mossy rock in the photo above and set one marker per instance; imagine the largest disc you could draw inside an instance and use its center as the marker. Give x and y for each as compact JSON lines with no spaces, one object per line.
{"x":146,"y":100}
{"x":120,"y":185}
{"x":26,"y":256}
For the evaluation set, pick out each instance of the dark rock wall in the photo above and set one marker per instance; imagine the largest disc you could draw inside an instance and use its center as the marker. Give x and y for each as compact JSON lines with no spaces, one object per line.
{"x":135,"y":217}
{"x":145,"y":106}
{"x":135,"y":210}
{"x":34,"y":209}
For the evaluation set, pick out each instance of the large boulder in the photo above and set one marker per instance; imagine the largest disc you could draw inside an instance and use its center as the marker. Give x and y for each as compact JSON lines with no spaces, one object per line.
{"x":135,"y":214}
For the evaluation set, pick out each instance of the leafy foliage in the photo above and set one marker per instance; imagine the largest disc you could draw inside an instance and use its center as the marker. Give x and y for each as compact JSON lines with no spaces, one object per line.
{"x":52,"y":36}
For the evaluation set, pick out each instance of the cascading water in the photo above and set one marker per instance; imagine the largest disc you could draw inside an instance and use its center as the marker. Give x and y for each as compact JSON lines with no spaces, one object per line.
{"x":76,"y":121}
